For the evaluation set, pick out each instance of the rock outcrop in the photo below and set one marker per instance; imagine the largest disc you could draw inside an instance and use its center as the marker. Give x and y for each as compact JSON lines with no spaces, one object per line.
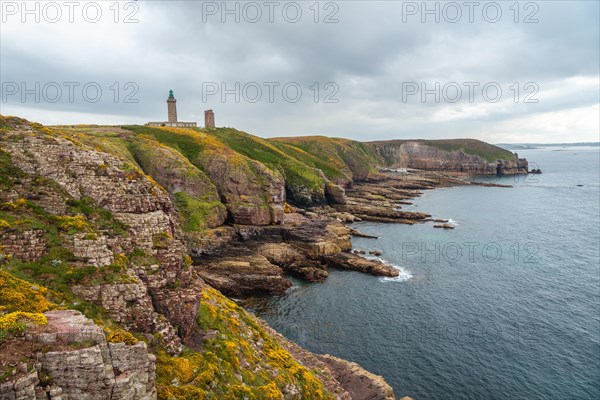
{"x":80,"y":364}
{"x":358,"y":382}
{"x":252,"y":193}
{"x":353,"y":262}
{"x":449,"y":156}
{"x":141,"y":207}
{"x":29,"y":245}
{"x":239,"y":271}
{"x":189,"y":187}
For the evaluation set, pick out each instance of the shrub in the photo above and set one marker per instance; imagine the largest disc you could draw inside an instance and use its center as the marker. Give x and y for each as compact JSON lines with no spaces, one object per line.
{"x":121,"y":336}
{"x":77,"y":223}
{"x":161,"y":240}
{"x":12,"y":205}
{"x":19,"y":295}
{"x":15,"y":322}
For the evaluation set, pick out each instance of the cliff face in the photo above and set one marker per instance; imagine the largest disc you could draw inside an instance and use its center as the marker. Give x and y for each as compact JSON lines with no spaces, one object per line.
{"x":86,"y":226}
{"x":69,"y":357}
{"x":463,"y":156}
{"x":135,"y":227}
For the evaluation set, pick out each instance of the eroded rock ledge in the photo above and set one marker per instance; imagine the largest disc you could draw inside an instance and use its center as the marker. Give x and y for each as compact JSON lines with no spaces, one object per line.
{"x":257,"y":258}
{"x":69,"y":358}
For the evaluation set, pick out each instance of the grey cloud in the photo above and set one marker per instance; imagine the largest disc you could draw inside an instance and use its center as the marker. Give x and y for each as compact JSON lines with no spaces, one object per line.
{"x":369,"y":54}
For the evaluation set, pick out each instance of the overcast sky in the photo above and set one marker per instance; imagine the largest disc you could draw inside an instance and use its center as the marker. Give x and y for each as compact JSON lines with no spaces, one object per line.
{"x":367,"y":70}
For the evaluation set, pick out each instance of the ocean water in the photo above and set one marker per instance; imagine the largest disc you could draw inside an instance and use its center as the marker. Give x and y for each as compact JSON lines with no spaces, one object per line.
{"x":507,"y":305}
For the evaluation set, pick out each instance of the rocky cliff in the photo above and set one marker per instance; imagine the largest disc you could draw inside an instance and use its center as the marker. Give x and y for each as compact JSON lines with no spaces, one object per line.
{"x":69,"y":357}
{"x":115,"y":243}
{"x":99,"y":295}
{"x":467,"y":156}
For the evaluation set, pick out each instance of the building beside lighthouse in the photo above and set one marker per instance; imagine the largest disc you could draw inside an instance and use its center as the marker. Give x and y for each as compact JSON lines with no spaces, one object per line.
{"x":209,"y":119}
{"x":172,"y":116}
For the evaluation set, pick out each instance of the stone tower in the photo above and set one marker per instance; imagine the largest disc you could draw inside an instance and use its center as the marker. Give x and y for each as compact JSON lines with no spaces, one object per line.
{"x":172,"y":107}
{"x":209,"y":119}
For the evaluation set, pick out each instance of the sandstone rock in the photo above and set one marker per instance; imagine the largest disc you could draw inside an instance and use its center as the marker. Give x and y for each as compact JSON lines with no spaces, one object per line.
{"x":444,"y":226}
{"x":94,"y":251}
{"x":358,"y":382}
{"x":309,"y":270}
{"x":281,"y":254}
{"x":319,"y":237}
{"x":293,"y":261}
{"x":356,"y":233}
{"x":240,"y":271}
{"x":81,"y":364}
{"x":30,"y":245}
{"x":382,"y":214}
{"x":335,"y":193}
{"x":256,"y":232}
{"x":20,"y":388}
{"x":357,"y":263}
{"x":210,"y":241}
{"x":344,"y":217}
{"x":252,"y":193}
{"x":127,"y":303}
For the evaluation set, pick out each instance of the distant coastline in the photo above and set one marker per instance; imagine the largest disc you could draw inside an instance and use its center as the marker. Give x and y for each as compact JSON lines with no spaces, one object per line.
{"x":532,"y":146}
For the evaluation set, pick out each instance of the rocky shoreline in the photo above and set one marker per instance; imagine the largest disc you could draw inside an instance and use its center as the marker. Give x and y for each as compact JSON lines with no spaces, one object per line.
{"x":135,"y":229}
{"x":254,"y":259}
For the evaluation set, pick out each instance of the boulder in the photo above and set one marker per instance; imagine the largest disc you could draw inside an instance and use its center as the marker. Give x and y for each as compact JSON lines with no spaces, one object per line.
{"x":73,"y":360}
{"x":240,"y":271}
{"x":358,"y":382}
{"x":335,"y":193}
{"x":354,"y":262}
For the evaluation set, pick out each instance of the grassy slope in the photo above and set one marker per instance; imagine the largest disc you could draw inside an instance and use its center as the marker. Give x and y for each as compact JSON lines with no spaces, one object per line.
{"x":136,"y":143}
{"x":296,"y":172}
{"x":232,"y":366}
{"x":205,"y":152}
{"x":348,"y":156}
{"x":198,"y":209}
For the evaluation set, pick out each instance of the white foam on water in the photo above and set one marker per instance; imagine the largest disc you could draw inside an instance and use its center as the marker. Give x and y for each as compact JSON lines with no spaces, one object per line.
{"x":402,"y":277}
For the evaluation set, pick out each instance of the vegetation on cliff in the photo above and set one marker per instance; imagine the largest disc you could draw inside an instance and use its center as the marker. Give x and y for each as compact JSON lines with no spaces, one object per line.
{"x":97,"y":218}
{"x":246,"y":187}
{"x":302,"y":180}
{"x":354,"y":159}
{"x":50,"y":233}
{"x":239,"y":360}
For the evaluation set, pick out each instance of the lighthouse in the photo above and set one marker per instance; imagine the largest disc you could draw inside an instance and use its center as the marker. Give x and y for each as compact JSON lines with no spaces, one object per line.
{"x":171,"y":107}
{"x":172,"y":116}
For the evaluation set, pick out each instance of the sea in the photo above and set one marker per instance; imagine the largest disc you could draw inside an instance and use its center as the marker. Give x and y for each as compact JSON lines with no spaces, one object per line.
{"x":504,"y":306}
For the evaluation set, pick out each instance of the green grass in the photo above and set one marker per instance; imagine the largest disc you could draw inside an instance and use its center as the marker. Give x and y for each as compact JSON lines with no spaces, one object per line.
{"x":347,"y":156}
{"x":329,"y":170}
{"x":484,"y":150}
{"x":195,"y":212}
{"x":296,"y":172}
{"x":187,"y":145}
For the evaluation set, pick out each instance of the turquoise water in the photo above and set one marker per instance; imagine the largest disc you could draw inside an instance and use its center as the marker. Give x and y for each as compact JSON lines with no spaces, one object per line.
{"x":507,"y":305}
